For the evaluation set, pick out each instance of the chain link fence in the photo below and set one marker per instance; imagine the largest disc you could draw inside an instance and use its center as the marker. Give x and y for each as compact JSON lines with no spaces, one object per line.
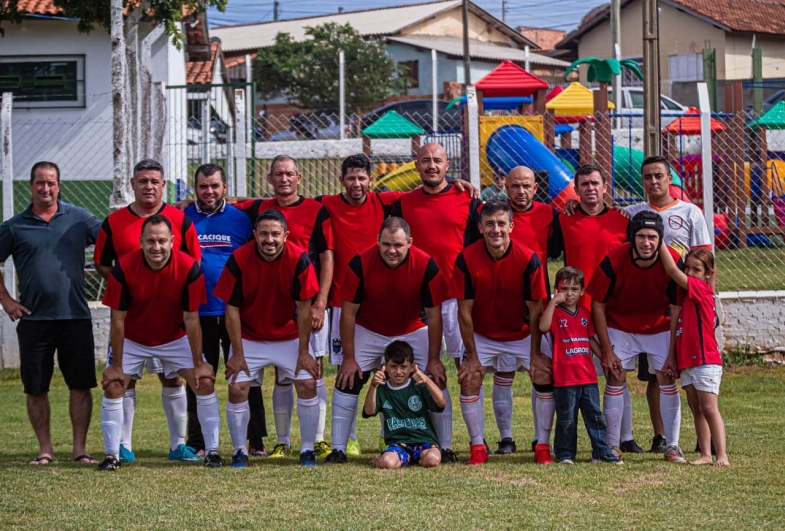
{"x":748,"y":156}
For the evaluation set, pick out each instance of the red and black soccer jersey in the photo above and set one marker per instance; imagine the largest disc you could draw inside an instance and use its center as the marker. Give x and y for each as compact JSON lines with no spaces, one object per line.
{"x":499,"y":288}
{"x":537,"y":228}
{"x":355,"y":228}
{"x":696,"y":343}
{"x":310,"y":226}
{"x":392,"y":300}
{"x":121,"y":230}
{"x":155,"y":300}
{"x":267,"y":292}
{"x":637,"y":300}
{"x":442,"y":224}
{"x":572,"y":357}
{"x":586,"y":240}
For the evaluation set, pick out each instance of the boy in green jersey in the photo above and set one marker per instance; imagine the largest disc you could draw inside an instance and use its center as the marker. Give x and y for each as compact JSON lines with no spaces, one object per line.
{"x":406,"y":397}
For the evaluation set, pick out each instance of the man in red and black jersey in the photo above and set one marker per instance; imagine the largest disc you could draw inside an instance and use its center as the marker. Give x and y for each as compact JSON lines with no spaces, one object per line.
{"x":536,"y":226}
{"x":443,"y":221}
{"x":500,"y":286}
{"x":310,"y":228}
{"x":154,"y":294}
{"x":390,"y":292}
{"x":632,"y":297}
{"x":268,"y":285}
{"x":119,"y":235}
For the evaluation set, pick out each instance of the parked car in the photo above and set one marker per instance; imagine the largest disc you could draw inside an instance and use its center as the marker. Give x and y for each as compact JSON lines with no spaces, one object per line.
{"x":218,"y":130}
{"x":420,"y":112}
{"x":773,"y":100}
{"x":309,"y":126}
{"x":632,"y":105}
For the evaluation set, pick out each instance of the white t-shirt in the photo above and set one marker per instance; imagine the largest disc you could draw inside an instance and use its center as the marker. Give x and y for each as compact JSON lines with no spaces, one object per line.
{"x":685,"y":226}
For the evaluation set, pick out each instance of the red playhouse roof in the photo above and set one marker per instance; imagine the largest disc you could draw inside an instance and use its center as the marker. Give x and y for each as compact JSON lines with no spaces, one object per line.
{"x":558,"y":89}
{"x":691,"y":125}
{"x":509,"y":80}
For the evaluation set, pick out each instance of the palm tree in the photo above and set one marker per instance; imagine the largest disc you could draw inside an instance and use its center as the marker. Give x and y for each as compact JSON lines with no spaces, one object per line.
{"x":603,"y":70}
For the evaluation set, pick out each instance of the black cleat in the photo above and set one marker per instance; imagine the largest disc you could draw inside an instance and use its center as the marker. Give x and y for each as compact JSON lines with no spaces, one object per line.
{"x":449,"y":457}
{"x":213,"y":460}
{"x":534,"y":445}
{"x":506,"y":446}
{"x":657,"y":445}
{"x":631,"y":447}
{"x":336,"y":457}
{"x":487,"y":447}
{"x":110,"y":464}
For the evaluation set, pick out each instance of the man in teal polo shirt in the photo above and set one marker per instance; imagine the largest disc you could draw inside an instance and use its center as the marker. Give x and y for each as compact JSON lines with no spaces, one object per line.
{"x":47,"y":242}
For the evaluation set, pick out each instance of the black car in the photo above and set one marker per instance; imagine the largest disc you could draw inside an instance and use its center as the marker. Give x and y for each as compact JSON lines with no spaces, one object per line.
{"x":421,"y":113}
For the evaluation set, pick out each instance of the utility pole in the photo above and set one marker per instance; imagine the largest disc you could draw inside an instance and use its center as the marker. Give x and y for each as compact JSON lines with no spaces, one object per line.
{"x":504,"y":11}
{"x":616,"y":46}
{"x":467,"y":61}
{"x":276,"y":3}
{"x":651,"y":78}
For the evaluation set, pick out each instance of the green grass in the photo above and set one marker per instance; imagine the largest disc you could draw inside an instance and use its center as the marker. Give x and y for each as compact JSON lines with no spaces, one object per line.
{"x":508,"y":493}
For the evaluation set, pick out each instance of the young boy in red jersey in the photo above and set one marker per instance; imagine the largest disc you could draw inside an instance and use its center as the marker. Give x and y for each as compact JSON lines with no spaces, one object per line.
{"x":574,"y":377}
{"x":693,"y":349}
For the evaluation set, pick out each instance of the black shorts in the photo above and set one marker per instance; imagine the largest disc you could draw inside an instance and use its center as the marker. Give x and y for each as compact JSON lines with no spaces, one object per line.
{"x":643,"y":369}
{"x":73,"y":341}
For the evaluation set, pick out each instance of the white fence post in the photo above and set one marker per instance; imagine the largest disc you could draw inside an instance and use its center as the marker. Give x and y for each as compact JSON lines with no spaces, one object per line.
{"x":9,"y":357}
{"x":707,"y":163}
{"x":474,"y":136}
{"x":435,"y":89}
{"x":342,"y":94}
{"x":240,"y":160}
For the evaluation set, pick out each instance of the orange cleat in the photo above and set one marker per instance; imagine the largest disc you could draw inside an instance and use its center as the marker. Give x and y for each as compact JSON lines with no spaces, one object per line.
{"x":542,"y":454}
{"x":478,"y":454}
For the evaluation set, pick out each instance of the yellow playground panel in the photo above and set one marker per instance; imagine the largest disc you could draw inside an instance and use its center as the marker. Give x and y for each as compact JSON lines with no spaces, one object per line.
{"x":775,"y":177}
{"x":490,"y":124}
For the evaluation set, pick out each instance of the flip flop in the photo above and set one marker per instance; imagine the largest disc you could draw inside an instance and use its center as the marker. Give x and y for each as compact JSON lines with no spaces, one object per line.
{"x":41,"y":460}
{"x":86,"y":459}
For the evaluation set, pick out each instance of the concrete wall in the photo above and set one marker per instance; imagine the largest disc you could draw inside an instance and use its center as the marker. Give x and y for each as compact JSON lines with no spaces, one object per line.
{"x":450,"y":24}
{"x":738,"y":56}
{"x":751,"y":319}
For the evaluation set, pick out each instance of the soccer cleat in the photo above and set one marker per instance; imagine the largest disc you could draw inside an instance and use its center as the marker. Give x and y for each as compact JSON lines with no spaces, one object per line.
{"x":449,"y":457}
{"x":126,"y":454}
{"x":673,"y":454}
{"x":478,"y":454}
{"x":609,"y":459}
{"x":213,"y":460}
{"x":353,"y":448}
{"x":657,"y":445}
{"x":321,"y":449}
{"x":110,"y":464}
{"x":382,"y":445}
{"x":257,"y":452}
{"x":542,"y":454}
{"x":308,"y":458}
{"x":506,"y":446}
{"x":280,"y":450}
{"x":239,"y":460}
{"x":566,"y":462}
{"x":183,"y":453}
{"x":631,"y":447}
{"x":336,"y":457}
{"x":534,"y":445}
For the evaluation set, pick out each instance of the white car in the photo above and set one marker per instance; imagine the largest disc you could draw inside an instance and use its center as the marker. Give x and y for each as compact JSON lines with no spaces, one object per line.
{"x":632,"y":106}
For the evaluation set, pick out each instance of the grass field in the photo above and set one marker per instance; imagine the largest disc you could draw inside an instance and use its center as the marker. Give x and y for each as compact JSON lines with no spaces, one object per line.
{"x":508,"y":493}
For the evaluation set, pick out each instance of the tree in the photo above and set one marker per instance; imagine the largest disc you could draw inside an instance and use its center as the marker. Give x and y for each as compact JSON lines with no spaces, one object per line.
{"x":92,"y":13}
{"x":306,"y":73}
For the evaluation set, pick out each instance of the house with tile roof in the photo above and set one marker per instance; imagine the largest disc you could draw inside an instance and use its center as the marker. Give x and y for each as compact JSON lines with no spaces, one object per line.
{"x":687,"y":27}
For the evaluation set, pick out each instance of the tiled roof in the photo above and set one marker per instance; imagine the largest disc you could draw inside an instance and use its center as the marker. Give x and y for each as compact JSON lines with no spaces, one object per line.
{"x":201,"y":72}
{"x":39,"y":7}
{"x":546,"y":39}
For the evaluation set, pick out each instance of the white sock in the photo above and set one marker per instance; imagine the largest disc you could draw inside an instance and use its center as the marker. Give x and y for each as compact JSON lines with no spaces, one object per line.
{"x":534,"y":410}
{"x":502,"y":405}
{"x":474,"y":417}
{"x":308,"y":415}
{"x":353,"y":428}
{"x":210,"y":418}
{"x":442,"y":422}
{"x":626,"y":418}
{"x":321,"y":394}
{"x":237,"y":417}
{"x":613,"y":409}
{"x":546,"y":408}
{"x":670,"y":410}
{"x":111,"y":424}
{"x":344,"y":412}
{"x":283,"y":405}
{"x":129,"y":408}
{"x":176,"y":408}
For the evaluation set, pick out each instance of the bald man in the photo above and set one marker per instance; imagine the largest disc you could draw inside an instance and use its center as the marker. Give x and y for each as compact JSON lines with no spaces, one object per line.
{"x":443,"y":221}
{"x":534,"y":226}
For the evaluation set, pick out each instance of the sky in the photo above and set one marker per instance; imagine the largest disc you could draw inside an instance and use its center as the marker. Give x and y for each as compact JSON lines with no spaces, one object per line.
{"x":556,"y":14}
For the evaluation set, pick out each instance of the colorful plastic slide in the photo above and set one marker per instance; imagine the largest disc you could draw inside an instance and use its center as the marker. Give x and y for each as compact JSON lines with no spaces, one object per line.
{"x":513,"y":145}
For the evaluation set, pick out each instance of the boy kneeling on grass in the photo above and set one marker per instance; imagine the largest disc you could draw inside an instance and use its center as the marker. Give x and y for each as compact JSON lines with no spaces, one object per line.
{"x":571,"y":334}
{"x":406,"y":397}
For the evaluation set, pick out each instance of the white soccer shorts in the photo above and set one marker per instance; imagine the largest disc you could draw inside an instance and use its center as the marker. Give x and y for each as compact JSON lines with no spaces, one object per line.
{"x":172,"y":357}
{"x":336,"y":352}
{"x":369,"y":347}
{"x":280,"y":354}
{"x":452,"y":332}
{"x":319,"y":344}
{"x":628,"y":346}
{"x":507,"y":356}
